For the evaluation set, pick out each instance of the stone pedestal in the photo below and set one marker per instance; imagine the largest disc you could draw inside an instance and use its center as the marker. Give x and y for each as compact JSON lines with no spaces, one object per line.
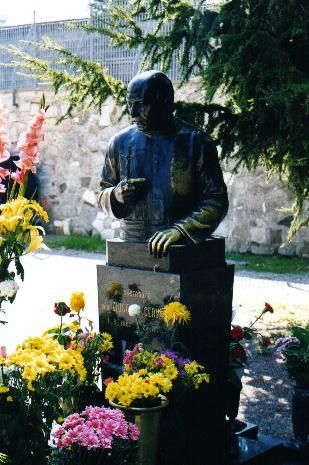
{"x":207,"y":291}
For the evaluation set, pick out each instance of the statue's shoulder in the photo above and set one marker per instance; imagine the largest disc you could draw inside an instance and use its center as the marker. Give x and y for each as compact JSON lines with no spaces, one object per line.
{"x":124,"y":134}
{"x":186,"y":128}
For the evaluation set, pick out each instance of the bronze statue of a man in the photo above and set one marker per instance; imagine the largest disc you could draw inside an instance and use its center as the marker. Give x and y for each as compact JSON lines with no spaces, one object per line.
{"x":161,"y":176}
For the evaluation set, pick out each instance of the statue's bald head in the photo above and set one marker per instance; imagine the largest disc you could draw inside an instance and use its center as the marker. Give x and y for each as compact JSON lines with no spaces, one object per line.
{"x":151,"y":99}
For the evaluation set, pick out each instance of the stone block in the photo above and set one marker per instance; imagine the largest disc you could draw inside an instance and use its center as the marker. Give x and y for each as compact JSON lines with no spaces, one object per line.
{"x":287,"y":250}
{"x":261,"y":249}
{"x":257,"y":235}
{"x":101,"y":216}
{"x":115,"y":224}
{"x":85,"y":181}
{"x":107,"y":222}
{"x":89,"y":198}
{"x":105,"y":119}
{"x":98,"y":225}
{"x":108,"y":234}
{"x":275,"y":236}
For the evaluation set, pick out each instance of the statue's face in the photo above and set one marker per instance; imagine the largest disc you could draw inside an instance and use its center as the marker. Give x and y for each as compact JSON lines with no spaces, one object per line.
{"x":150,"y":102}
{"x":140,"y":108}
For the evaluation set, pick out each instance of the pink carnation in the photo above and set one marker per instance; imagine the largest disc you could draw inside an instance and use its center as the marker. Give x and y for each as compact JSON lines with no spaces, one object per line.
{"x":94,"y":428}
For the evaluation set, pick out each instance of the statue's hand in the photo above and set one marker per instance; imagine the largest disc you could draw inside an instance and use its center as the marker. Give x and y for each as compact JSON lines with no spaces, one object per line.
{"x":127,"y":192}
{"x":159,"y":243}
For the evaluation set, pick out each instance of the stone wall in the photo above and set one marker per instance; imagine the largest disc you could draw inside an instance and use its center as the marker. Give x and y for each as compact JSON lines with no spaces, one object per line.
{"x":71,"y":163}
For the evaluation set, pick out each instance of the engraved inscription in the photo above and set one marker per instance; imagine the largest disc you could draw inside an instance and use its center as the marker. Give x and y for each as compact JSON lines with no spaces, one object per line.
{"x":136,"y":294}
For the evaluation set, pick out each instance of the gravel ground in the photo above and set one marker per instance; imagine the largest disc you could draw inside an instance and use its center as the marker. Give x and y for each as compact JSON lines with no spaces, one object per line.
{"x":267,"y":391}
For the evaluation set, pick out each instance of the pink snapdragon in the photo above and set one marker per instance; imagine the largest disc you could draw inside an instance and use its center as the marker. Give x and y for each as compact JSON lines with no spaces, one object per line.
{"x":94,"y":428}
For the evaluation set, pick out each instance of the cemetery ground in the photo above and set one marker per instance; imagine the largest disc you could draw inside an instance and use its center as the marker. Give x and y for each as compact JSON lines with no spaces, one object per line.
{"x":267,"y":391}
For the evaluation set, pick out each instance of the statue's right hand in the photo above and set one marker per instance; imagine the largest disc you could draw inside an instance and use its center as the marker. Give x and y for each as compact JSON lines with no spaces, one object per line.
{"x":128,"y":191}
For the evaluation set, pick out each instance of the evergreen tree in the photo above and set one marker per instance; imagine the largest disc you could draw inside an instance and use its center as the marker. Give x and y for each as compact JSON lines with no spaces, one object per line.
{"x":253,"y":53}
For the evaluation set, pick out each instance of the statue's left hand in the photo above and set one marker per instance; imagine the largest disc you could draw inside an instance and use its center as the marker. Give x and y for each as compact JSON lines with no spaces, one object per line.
{"x":159,"y":243}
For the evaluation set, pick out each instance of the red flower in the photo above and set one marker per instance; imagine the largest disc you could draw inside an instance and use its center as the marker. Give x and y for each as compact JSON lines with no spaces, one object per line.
{"x":61,"y":308}
{"x":238,"y":352}
{"x":237,"y":333}
{"x":264,"y":341}
{"x":268,"y":308}
{"x":108,"y":380}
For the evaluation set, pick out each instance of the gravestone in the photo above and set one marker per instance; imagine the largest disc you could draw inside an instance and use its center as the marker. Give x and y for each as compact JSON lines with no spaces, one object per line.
{"x":198,"y":277}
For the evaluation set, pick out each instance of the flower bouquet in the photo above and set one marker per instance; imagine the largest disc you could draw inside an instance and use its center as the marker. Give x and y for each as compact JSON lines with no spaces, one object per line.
{"x":239,"y":358}
{"x":19,"y":232}
{"x":96,"y":435}
{"x":294,"y":350}
{"x":33,"y":379}
{"x":93,"y":347}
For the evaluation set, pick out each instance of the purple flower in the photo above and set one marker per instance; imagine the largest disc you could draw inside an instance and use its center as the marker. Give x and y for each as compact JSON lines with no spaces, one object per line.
{"x":283,"y":342}
{"x":179,"y":361}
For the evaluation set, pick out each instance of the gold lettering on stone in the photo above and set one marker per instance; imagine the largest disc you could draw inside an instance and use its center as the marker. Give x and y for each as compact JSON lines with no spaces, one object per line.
{"x":120,"y":307}
{"x":117,"y":323}
{"x":106,"y":307}
{"x":136,"y":294}
{"x":152,"y":312}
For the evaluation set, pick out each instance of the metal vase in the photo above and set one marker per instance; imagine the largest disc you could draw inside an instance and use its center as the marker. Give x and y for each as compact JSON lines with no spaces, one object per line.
{"x":148,"y":422}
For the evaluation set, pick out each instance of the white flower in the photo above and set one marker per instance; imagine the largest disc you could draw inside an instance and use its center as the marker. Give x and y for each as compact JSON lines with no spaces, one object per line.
{"x":8,"y":288}
{"x":134,"y":310}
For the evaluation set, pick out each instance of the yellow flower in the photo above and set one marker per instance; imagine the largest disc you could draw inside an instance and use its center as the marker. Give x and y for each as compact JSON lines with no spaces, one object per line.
{"x":10,"y":224}
{"x":107,"y":344}
{"x":77,"y":302}
{"x":171,"y":372}
{"x":40,"y":211}
{"x":2,"y":360}
{"x":74,"y":326}
{"x":9,"y":399}
{"x":192,"y":368}
{"x":38,"y":356}
{"x":3,"y":389}
{"x":36,"y":241}
{"x":174,"y":313}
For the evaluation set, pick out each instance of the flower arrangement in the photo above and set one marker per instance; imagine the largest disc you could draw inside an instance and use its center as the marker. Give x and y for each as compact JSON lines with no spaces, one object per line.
{"x":238,"y":354}
{"x":34,"y":378}
{"x":94,"y":436}
{"x":39,"y":356}
{"x":93,"y":346}
{"x":19,"y":233}
{"x":148,"y":375}
{"x":294,"y":350}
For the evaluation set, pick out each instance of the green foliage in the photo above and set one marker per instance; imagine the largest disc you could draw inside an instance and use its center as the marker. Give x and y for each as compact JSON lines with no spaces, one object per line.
{"x":75,"y":242}
{"x":270,"y":264}
{"x":253,"y":54}
{"x":87,"y":83}
{"x":297,"y":356}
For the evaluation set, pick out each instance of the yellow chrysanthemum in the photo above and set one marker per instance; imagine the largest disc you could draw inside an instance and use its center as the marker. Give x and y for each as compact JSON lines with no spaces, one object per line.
{"x":3,"y":389}
{"x":77,"y":302}
{"x":38,"y":356}
{"x":175,"y":313}
{"x":107,"y":344}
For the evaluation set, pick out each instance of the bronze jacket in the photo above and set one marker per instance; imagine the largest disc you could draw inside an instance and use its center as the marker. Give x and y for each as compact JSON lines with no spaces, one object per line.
{"x":184,"y":183}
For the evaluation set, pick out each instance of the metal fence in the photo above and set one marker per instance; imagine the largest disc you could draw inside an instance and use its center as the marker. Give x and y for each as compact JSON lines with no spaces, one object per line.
{"x":120,"y":62}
